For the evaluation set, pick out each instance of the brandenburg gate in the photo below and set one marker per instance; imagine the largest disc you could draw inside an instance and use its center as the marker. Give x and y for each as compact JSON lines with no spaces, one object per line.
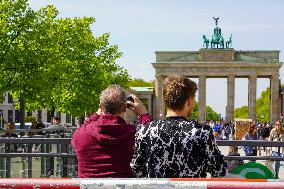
{"x":220,"y":63}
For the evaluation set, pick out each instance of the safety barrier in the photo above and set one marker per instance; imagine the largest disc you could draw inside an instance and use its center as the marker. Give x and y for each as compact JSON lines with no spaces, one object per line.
{"x":55,"y":157}
{"x":174,"y":183}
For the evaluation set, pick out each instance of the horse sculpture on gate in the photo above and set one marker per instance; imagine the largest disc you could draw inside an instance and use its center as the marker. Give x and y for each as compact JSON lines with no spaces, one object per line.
{"x":205,"y":42}
{"x":229,"y":42}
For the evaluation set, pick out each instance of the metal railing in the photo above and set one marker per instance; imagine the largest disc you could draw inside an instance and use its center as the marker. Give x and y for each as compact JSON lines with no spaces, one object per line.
{"x":259,"y":143}
{"x":44,"y":155}
{"x":53,"y":153}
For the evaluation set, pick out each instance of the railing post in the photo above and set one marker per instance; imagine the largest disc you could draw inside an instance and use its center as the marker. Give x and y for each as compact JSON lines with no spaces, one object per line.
{"x":42,"y":160}
{"x":30,"y":162}
{"x":8,"y":160}
{"x":64,"y":161}
{"x":50,"y":160}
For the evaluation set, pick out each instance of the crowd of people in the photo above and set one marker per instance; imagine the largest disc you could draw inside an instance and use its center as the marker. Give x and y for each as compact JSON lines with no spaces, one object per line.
{"x":222,"y":130}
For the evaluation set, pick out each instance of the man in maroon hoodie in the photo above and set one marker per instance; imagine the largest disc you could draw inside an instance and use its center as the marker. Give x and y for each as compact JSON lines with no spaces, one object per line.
{"x":104,"y":143}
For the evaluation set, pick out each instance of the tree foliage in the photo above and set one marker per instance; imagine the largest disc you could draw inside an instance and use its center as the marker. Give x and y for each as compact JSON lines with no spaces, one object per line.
{"x":241,"y":112}
{"x":262,"y":108}
{"x":210,"y":113}
{"x":137,"y":82}
{"x":55,"y":62}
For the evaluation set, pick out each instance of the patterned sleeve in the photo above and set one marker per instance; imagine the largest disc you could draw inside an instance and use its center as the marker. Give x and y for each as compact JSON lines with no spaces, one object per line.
{"x":216,"y":163}
{"x":139,"y":157}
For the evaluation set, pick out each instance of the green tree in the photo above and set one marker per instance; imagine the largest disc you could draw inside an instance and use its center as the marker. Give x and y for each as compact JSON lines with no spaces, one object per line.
{"x":54,"y":62}
{"x":137,"y":82}
{"x":241,"y":112}
{"x":15,"y":57}
{"x":210,"y":113}
{"x":262,"y":108}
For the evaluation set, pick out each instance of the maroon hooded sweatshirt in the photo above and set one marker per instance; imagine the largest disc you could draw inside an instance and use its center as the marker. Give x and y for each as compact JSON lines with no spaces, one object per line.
{"x":104,"y":146}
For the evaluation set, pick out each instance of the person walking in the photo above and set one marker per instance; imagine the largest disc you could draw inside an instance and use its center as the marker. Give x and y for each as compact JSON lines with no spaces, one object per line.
{"x":227,"y":131}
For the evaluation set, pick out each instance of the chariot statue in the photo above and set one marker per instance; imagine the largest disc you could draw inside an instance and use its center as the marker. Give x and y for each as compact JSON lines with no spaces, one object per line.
{"x":217,"y":39}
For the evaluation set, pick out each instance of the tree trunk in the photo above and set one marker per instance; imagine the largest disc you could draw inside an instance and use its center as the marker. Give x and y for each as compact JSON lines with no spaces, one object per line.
{"x":52,"y":111}
{"x":22,"y":112}
{"x":81,"y":119}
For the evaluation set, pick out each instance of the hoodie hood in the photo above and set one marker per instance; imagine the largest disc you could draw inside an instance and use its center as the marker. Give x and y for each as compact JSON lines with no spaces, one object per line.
{"x":108,"y":129}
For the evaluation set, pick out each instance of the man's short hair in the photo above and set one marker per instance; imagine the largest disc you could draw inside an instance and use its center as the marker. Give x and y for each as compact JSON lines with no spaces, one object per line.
{"x":113,"y":99}
{"x":176,"y":90}
{"x":56,"y":118}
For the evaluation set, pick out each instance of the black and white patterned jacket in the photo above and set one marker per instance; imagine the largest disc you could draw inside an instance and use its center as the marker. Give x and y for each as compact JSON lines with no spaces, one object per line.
{"x":174,"y":148}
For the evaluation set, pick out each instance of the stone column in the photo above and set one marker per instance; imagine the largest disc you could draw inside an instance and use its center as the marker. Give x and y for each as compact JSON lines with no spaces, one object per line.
{"x":230,"y":98}
{"x":150,"y":106}
{"x":252,"y":97}
{"x":274,"y":97}
{"x":159,"y":104}
{"x":202,"y":98}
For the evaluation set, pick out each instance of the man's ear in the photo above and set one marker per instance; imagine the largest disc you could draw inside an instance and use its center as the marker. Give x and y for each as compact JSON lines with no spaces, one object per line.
{"x":190,"y":101}
{"x":101,"y":108}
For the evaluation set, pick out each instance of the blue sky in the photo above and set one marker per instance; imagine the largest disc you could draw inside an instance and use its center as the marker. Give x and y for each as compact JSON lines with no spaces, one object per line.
{"x":142,"y":27}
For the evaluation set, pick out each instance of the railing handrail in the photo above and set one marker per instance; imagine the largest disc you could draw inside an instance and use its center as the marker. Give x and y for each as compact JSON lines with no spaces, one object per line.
{"x":13,"y":155}
{"x":38,"y":130}
{"x":65,"y":155}
{"x":261,"y":143}
{"x":35,"y":140}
